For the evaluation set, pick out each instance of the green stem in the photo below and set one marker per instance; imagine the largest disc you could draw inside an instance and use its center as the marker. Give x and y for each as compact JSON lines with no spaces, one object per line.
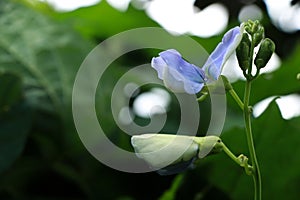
{"x":236,"y":98}
{"x":241,"y":160}
{"x":256,"y":171}
{"x":202,"y":97}
{"x":230,"y":154}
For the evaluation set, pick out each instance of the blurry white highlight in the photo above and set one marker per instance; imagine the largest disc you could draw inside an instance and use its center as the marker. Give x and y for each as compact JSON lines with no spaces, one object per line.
{"x":121,"y":5}
{"x":176,"y":16}
{"x":156,"y":101}
{"x":289,"y":106}
{"x":273,"y":64}
{"x":284,"y":15}
{"x":218,"y":18}
{"x":181,"y":17}
{"x":69,"y":5}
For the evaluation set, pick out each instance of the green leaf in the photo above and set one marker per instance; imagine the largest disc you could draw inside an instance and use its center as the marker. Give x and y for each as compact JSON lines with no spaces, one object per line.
{"x":170,"y":194}
{"x":14,"y":128}
{"x":10,"y":90}
{"x":46,"y":53}
{"x":15,"y":119}
{"x":277,"y":145}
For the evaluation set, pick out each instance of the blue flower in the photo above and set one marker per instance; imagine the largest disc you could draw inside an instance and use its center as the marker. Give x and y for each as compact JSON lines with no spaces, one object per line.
{"x":215,"y":62}
{"x":177,"y":74}
{"x":181,"y":76}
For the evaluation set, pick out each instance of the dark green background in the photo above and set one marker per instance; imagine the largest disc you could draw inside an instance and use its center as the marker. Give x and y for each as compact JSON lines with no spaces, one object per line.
{"x":41,"y":156}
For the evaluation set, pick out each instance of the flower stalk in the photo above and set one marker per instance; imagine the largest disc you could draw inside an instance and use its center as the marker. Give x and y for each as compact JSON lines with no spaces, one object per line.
{"x":247,"y":118}
{"x":241,"y":160}
{"x":256,"y":33}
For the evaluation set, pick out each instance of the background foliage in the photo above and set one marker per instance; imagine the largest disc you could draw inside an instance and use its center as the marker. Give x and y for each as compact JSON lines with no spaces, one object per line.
{"x":41,"y":156}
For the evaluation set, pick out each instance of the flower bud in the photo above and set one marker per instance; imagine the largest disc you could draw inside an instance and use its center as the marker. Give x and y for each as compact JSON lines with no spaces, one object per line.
{"x":242,"y":52}
{"x":264,"y":53}
{"x":298,"y":77}
{"x":258,"y":36}
{"x":255,"y":26}
{"x":248,"y":26}
{"x":256,"y":30}
{"x":171,"y":154}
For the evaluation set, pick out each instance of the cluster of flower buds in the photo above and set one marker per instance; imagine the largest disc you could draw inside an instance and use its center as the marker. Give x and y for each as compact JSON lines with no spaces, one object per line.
{"x":253,"y":36}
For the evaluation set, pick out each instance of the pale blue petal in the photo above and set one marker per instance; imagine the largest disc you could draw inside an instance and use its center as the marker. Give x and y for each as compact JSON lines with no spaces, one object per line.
{"x":159,"y":64}
{"x":175,"y":61}
{"x":176,"y":82}
{"x":173,"y":80}
{"x":178,"y":75}
{"x":218,"y":57}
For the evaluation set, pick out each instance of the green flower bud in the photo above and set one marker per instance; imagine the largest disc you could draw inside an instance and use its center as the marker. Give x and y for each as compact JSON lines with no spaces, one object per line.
{"x":264,"y":53}
{"x":248,"y":26}
{"x":256,"y":30}
{"x":255,"y":26}
{"x":258,"y":36}
{"x":243,"y":51}
{"x":173,"y":153}
{"x":298,"y":76}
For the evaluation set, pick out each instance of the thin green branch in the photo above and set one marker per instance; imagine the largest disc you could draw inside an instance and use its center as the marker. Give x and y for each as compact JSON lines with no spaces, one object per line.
{"x":236,"y":98}
{"x":230,"y":154}
{"x":241,"y":160}
{"x":202,"y":97}
{"x":254,"y":162}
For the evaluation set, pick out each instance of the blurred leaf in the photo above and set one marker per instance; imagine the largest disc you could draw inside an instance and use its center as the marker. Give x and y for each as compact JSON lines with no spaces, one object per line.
{"x":277,"y":144}
{"x":12,"y":182}
{"x":170,"y":194}
{"x":15,"y":119}
{"x":43,"y":51}
{"x":47,"y":54}
{"x":102,"y":20}
{"x":71,"y":174}
{"x":10,"y":90}
{"x":14,"y":128}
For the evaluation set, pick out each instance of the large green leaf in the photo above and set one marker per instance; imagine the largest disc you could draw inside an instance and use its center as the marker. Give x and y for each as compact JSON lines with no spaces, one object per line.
{"x":47,"y":55}
{"x":15,"y":119}
{"x":277,"y":144}
{"x":14,"y":128}
{"x":10,"y":90}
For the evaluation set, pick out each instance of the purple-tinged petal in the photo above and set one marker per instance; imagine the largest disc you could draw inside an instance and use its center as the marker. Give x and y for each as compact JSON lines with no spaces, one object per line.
{"x":176,"y":82}
{"x":159,"y":64}
{"x":177,"y":74}
{"x":225,"y":48}
{"x":190,"y":71}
